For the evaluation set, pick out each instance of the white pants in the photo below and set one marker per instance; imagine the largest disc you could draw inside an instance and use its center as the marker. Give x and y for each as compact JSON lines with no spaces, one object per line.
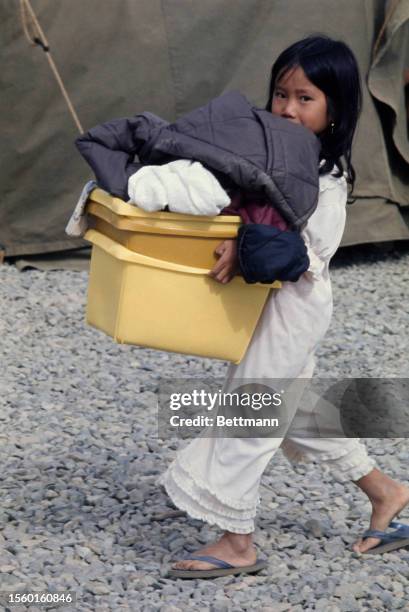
{"x":217,"y":479}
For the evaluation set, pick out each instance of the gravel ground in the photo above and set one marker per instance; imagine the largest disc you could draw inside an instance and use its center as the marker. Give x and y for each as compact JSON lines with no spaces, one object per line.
{"x":80,"y":455}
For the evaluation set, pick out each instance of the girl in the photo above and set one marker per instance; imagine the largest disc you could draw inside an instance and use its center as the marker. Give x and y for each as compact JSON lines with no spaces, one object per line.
{"x":315,"y":82}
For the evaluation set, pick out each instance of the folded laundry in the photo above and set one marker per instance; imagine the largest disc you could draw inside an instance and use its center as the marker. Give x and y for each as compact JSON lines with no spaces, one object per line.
{"x":242,"y":145}
{"x":267,"y":254}
{"x":184,"y":186}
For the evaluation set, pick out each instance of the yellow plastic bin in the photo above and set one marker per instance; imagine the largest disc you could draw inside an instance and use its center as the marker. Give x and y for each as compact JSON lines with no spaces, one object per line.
{"x":186,"y":239}
{"x":144,"y":300}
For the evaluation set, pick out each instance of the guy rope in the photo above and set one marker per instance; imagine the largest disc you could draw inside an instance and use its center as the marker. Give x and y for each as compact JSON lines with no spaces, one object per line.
{"x":36,"y":36}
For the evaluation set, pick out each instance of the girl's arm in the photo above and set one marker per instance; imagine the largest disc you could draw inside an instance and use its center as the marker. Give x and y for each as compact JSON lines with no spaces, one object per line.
{"x":325,"y":227}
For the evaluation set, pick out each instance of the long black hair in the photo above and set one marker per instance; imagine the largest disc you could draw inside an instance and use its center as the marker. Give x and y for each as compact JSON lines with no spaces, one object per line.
{"x":332,"y":67}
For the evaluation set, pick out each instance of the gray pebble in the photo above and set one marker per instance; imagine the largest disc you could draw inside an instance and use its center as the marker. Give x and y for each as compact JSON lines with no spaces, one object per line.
{"x":348,"y":603}
{"x":315,"y":527}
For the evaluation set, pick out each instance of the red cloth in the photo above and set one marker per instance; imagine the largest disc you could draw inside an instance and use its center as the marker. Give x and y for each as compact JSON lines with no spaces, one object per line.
{"x":254,"y":207}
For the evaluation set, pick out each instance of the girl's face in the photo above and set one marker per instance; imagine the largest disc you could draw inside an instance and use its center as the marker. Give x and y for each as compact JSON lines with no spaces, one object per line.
{"x":297,"y":99}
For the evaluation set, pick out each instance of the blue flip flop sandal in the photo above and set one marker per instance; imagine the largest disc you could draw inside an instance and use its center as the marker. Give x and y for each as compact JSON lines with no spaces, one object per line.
{"x":223,"y":568}
{"x":389,"y":541}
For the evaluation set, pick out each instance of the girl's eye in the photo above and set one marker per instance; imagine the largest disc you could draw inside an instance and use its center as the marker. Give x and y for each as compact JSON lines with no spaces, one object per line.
{"x":278,"y":94}
{"x":305,"y":98}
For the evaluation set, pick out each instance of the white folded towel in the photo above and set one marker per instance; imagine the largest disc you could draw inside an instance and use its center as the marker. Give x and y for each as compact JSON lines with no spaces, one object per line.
{"x":183,"y":185}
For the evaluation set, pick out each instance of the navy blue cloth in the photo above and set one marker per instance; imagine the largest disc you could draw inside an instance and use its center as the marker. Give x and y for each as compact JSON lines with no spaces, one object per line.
{"x":267,"y":254}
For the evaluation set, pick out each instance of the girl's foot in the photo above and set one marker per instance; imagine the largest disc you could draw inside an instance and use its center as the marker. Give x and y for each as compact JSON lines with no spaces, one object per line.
{"x":235,"y":548}
{"x":388,"y":498}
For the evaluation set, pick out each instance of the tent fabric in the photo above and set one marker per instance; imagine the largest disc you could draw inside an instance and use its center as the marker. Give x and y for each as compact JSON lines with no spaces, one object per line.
{"x":168,"y":57}
{"x":386,"y":84}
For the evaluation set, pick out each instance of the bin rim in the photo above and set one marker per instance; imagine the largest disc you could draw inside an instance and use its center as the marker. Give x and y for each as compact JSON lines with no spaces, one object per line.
{"x":154,"y":225}
{"x":122,"y":208}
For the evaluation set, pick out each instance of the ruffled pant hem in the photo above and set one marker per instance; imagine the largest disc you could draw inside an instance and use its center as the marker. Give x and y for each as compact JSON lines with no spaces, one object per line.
{"x":345,"y":464}
{"x":193,"y":500}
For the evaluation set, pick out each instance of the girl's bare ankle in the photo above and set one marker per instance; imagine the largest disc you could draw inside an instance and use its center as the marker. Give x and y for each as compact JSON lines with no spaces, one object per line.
{"x":240,"y":542}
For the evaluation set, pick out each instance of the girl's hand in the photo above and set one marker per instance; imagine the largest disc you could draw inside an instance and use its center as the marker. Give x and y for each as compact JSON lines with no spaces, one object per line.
{"x":228,"y":264}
